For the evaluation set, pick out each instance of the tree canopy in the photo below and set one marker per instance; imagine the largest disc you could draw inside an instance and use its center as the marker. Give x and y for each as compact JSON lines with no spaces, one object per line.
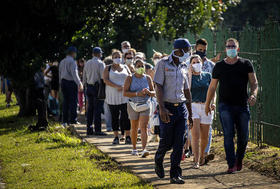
{"x":36,"y":31}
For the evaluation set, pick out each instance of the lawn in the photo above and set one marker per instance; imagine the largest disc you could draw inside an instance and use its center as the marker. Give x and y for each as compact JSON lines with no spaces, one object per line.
{"x":54,"y":158}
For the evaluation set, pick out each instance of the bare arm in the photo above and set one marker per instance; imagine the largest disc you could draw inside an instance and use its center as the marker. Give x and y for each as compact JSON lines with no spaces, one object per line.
{"x":253,"y":84}
{"x":151,"y":92}
{"x":211,"y":94}
{"x":188,"y":96}
{"x":159,"y":94}
{"x":47,"y":71}
{"x":254,"y":88}
{"x":106,"y":78}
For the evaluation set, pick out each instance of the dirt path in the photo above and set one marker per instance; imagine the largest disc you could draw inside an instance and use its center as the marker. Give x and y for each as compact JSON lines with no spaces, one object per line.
{"x":209,"y":176}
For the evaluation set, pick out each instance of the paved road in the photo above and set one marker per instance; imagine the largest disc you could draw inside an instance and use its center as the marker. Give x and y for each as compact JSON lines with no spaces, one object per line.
{"x":209,"y":176}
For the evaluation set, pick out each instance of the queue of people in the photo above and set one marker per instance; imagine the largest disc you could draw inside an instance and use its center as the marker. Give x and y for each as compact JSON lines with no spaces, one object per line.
{"x":174,"y":98}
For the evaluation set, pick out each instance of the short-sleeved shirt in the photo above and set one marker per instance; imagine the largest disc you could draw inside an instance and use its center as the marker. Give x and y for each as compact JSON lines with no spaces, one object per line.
{"x":233,"y":80}
{"x":199,"y":88}
{"x":93,"y":71}
{"x":173,"y":79}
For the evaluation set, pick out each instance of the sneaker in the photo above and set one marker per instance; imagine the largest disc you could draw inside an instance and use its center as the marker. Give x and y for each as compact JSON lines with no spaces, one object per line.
{"x":177,"y":180}
{"x":122,"y":139}
{"x":89,"y":130}
{"x":188,"y":154}
{"x":134,"y":153}
{"x":238,"y":165}
{"x":231,"y":170}
{"x":196,"y":165}
{"x":116,"y":140}
{"x":145,"y":153}
{"x":128,"y":140}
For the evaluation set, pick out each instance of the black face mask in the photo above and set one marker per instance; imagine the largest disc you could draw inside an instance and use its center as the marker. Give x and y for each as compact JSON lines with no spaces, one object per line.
{"x":201,"y":54}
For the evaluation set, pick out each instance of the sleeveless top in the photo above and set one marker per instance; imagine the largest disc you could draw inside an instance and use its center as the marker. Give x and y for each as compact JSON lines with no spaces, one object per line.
{"x":137,"y":85}
{"x":113,"y":96}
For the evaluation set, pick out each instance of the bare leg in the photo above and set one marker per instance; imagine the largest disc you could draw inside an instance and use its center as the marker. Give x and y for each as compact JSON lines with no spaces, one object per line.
{"x":134,"y":130}
{"x":204,"y":132}
{"x":143,"y":122}
{"x":195,"y":139}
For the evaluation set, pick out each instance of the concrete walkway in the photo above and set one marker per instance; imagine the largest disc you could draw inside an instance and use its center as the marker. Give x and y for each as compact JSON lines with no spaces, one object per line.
{"x":209,"y":176}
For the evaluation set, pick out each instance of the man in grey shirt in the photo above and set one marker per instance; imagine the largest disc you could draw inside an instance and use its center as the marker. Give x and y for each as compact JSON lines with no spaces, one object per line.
{"x":92,"y":76}
{"x":70,"y":81}
{"x":174,"y":99}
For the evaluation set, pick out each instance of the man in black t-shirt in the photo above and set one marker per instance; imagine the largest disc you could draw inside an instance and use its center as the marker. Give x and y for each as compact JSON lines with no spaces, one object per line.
{"x":233,"y":74}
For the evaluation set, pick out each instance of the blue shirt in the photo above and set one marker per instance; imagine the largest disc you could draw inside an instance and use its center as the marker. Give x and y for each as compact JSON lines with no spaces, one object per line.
{"x":137,"y":85}
{"x":172,"y":78}
{"x":199,"y":87}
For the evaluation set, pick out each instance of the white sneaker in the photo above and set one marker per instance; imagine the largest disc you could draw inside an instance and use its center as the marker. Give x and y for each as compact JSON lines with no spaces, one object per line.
{"x":134,"y":152}
{"x":145,"y":153}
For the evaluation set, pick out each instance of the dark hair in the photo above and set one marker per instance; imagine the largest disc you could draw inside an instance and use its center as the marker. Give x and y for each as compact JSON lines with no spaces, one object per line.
{"x":149,"y":66}
{"x":108,"y":61}
{"x":201,"y":41}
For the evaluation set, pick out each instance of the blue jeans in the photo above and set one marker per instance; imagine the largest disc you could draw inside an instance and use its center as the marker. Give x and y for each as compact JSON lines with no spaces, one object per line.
{"x":70,"y":98}
{"x":234,"y":117}
{"x":207,"y":149}
{"x":172,"y":136}
{"x":95,"y":108}
{"x":108,"y":117}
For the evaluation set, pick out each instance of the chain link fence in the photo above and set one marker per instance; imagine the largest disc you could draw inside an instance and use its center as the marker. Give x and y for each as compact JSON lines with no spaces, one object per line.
{"x":262,"y":47}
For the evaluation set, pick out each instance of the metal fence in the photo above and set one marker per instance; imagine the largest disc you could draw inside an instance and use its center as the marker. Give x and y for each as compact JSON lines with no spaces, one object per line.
{"x":262,"y":47}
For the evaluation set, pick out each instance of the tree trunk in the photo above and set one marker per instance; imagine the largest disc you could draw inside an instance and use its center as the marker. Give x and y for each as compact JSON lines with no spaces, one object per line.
{"x":25,"y":101}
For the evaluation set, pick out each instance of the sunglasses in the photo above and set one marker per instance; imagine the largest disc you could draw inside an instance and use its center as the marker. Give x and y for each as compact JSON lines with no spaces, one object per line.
{"x":231,"y":46}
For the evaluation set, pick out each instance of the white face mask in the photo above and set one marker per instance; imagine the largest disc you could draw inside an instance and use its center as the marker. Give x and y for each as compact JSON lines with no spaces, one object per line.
{"x":181,"y":58}
{"x":128,"y":61}
{"x":125,"y":50}
{"x":197,"y":67}
{"x":117,"y":60}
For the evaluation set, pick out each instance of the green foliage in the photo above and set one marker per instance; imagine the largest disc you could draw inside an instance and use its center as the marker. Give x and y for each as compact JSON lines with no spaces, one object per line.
{"x":54,"y":158}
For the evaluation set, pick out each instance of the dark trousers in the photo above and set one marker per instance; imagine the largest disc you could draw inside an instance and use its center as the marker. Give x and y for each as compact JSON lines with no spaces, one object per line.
{"x":95,"y":108}
{"x":172,"y":136}
{"x":70,"y":99}
{"x":40,"y":105}
{"x":119,"y":117}
{"x":234,"y":117}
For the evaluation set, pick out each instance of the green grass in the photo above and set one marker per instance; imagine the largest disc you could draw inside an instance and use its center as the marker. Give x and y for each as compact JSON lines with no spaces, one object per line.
{"x":54,"y":158}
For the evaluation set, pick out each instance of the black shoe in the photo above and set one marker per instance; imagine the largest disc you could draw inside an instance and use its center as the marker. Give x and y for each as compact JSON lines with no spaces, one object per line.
{"x":128,"y":140}
{"x":116,"y":140}
{"x":89,"y":131}
{"x":35,"y":128}
{"x":159,"y":170}
{"x":177,"y":180}
{"x":100,"y":133}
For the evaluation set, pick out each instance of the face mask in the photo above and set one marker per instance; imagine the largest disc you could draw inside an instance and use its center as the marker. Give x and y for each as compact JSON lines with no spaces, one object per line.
{"x":140,"y":71}
{"x":125,"y":50}
{"x":117,"y":60}
{"x":197,"y":67}
{"x":201,"y":54}
{"x":231,"y":53}
{"x":182,"y":58}
{"x":128,"y":61}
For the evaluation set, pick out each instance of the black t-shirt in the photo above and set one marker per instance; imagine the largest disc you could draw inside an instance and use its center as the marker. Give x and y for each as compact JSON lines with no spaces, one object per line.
{"x":233,"y":81}
{"x":55,"y":74}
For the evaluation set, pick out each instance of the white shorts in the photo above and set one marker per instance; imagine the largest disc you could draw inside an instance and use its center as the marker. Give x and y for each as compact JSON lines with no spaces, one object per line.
{"x":198,"y":111}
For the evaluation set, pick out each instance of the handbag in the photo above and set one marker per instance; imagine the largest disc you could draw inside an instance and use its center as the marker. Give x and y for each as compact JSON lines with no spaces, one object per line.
{"x":101,"y":95}
{"x":140,"y":107}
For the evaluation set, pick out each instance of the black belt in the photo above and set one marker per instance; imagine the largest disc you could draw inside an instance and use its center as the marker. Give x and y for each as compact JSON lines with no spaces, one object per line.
{"x":173,"y":104}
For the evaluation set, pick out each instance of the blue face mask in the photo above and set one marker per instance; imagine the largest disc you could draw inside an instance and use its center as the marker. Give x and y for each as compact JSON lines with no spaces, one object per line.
{"x":231,"y":53}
